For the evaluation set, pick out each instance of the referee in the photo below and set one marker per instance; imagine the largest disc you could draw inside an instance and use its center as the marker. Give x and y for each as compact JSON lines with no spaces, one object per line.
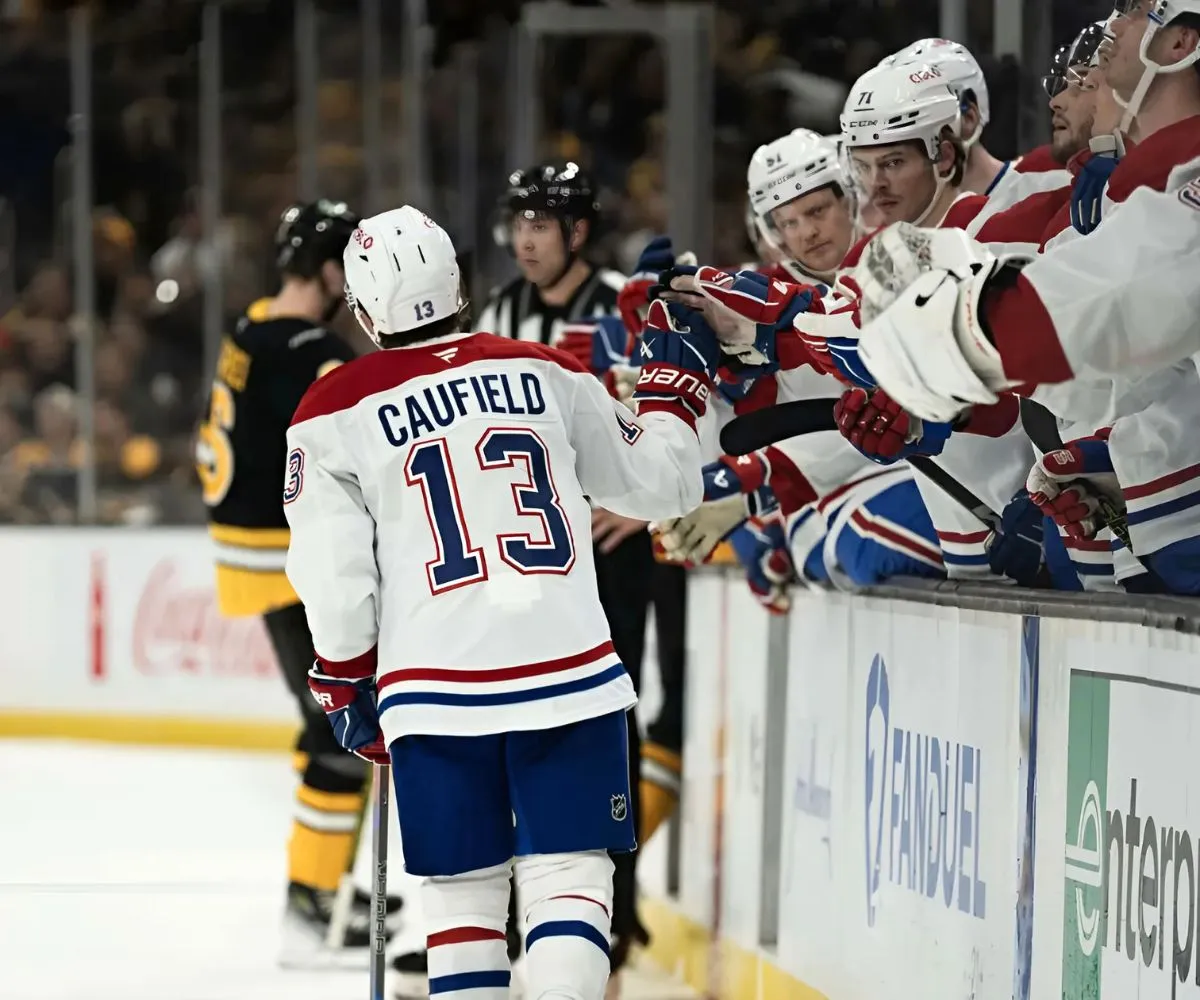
{"x":549,"y":213}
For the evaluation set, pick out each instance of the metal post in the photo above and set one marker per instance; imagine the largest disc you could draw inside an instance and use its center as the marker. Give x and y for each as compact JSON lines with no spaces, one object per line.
{"x":211,"y":180}
{"x":689,"y":127}
{"x":307,"y":69}
{"x":952,"y":20}
{"x":83,"y":259}
{"x":524,"y":118}
{"x":416,"y":187}
{"x":467,"y":221}
{"x":372,"y":106}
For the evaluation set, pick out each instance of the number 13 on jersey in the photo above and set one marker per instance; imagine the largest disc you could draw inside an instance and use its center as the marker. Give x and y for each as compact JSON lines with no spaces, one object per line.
{"x":458,"y":563}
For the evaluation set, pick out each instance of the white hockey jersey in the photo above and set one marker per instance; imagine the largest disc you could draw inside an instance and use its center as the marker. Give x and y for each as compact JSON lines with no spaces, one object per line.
{"x":438,"y":502}
{"x":1123,"y":301}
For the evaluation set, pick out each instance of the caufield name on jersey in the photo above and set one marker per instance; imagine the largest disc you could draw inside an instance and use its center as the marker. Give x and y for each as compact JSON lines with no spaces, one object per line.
{"x":438,"y":406}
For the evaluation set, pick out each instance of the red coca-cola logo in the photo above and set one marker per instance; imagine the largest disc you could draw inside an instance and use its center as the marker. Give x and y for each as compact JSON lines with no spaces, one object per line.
{"x":178,"y":628}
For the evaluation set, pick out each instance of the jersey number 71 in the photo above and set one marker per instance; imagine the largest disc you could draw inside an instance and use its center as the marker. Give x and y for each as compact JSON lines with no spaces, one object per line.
{"x":457,"y":563}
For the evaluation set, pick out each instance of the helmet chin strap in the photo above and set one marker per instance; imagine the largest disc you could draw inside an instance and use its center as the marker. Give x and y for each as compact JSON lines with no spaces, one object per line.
{"x":973,"y":139}
{"x":939,"y":185}
{"x":1152,"y":70}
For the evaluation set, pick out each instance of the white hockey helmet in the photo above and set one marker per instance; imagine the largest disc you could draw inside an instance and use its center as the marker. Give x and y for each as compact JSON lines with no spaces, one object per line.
{"x":401,"y":272}
{"x":898,"y":103}
{"x":789,"y":168}
{"x":961,"y":69}
{"x":1159,"y":16}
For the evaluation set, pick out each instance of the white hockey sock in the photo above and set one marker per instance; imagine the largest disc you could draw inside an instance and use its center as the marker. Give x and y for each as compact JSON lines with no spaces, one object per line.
{"x":568,"y":912}
{"x":466,"y":918}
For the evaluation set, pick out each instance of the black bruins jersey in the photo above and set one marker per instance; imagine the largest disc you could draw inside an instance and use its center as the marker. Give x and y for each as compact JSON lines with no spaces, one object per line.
{"x":263,"y":370}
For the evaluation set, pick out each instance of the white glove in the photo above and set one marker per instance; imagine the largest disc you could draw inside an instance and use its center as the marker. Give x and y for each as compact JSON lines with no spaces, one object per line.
{"x":693,"y":537}
{"x":625,"y":381}
{"x":921,"y":339}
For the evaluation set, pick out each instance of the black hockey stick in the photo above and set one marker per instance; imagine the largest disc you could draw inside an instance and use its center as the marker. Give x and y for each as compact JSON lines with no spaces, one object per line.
{"x":762,"y":428}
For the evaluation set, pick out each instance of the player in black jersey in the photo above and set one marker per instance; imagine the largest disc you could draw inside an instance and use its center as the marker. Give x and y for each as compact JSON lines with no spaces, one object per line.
{"x":275,"y":352}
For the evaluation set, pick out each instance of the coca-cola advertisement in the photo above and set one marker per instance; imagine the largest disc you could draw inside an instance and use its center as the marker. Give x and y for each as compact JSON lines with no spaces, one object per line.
{"x":177,"y":629}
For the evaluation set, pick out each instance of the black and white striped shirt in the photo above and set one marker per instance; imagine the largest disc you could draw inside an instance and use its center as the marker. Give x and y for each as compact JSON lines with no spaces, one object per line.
{"x":516,"y":310}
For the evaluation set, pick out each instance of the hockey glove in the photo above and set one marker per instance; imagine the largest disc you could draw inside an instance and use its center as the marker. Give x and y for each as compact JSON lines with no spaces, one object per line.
{"x":1016,"y":548}
{"x":762,"y":550}
{"x":693,"y":537}
{"x":679,"y":357}
{"x":1076,"y":486}
{"x":349,"y":704}
{"x":1087,"y":191}
{"x":921,"y":291}
{"x":634,"y":297}
{"x":729,"y":476}
{"x":751,"y":311}
{"x":876,"y":425}
{"x":598,"y":343}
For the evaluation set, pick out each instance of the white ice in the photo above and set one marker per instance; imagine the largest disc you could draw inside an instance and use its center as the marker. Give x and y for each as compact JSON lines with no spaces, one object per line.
{"x":129,"y":873}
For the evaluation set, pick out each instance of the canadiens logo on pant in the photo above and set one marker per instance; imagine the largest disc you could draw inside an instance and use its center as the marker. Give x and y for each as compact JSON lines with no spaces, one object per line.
{"x":619,"y":806}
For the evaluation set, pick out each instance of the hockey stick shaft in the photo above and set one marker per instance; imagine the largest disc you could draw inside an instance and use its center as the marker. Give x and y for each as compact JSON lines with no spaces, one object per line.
{"x":763,"y":428}
{"x":379,"y":853}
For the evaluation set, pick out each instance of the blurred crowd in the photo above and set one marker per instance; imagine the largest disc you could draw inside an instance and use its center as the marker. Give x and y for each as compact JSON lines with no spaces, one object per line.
{"x":778,"y":63}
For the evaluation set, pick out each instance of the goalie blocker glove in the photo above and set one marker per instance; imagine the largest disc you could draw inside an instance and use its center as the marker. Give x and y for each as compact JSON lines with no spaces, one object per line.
{"x":679,"y":357}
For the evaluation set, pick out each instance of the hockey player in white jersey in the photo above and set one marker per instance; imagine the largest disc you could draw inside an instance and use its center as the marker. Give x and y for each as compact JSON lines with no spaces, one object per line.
{"x":437,"y":494}
{"x":1003,"y":182}
{"x":1121,"y":302}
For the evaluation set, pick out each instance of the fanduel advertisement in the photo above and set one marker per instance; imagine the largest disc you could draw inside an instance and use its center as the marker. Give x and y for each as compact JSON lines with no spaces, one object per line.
{"x":1131,"y":917}
{"x":923,"y":832}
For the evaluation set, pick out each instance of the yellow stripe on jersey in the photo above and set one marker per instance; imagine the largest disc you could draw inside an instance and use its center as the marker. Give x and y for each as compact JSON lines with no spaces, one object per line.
{"x":250,"y":538}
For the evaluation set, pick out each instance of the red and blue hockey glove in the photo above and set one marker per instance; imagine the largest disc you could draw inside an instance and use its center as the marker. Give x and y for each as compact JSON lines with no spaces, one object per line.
{"x":754,"y":311}
{"x":598,"y":343}
{"x":1016,"y":548}
{"x":876,"y":425}
{"x":679,"y":355}
{"x":634,"y":298}
{"x":762,"y":550}
{"x":349,"y":704}
{"x":1075,"y":486}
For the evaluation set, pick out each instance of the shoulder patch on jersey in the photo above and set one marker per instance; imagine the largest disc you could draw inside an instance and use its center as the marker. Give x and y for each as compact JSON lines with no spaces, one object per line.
{"x":295,"y":475}
{"x":630,"y":429}
{"x":1189,"y":194}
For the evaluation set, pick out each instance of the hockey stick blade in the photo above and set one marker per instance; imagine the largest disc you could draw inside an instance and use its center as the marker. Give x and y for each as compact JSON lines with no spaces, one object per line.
{"x":761,"y":428}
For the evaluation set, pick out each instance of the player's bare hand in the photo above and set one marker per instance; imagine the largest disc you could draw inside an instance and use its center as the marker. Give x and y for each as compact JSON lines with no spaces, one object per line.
{"x":609,"y":530}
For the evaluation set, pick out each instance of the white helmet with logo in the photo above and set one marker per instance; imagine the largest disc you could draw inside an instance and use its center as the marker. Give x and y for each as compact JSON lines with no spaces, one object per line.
{"x":797,"y":164}
{"x":401,"y":273}
{"x":899,"y":103}
{"x":902,"y":103}
{"x":1159,"y":16}
{"x":961,"y":70}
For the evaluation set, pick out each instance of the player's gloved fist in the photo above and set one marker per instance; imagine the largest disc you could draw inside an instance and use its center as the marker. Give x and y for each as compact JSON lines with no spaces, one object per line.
{"x":679,"y":356}
{"x":350,"y":706}
{"x":693,"y":537}
{"x":634,"y":297}
{"x":1074,"y":486}
{"x":731,"y":476}
{"x":598,"y":343}
{"x":1016,"y":548}
{"x":1087,"y":191}
{"x":762,"y":550}
{"x":877,"y":426}
{"x":749,"y":310}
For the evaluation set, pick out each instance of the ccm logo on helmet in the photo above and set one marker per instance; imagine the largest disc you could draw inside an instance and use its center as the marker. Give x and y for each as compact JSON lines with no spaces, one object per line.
{"x":931,"y":73}
{"x":864,"y":124}
{"x":364,"y":240}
